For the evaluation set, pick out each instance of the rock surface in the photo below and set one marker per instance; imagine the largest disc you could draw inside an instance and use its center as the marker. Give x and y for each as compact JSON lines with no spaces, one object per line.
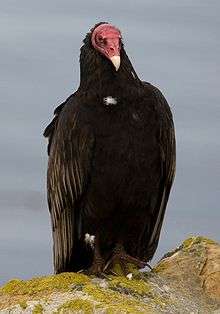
{"x":186,"y":280}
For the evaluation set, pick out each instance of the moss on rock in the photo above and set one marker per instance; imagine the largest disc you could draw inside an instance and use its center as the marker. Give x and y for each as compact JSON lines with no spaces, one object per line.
{"x":76,"y":305}
{"x":195,"y":240}
{"x":38,"y":309}
{"x":195,"y":245}
{"x":161,"y":267}
{"x":18,"y":291}
{"x":180,"y":283}
{"x":116,"y":302}
{"x":133,"y":286}
{"x":23,"y":305}
{"x":47,"y":284}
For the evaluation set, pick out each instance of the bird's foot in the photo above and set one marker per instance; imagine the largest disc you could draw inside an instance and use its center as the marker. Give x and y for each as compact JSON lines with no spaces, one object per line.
{"x":121,"y":262}
{"x":96,"y":268}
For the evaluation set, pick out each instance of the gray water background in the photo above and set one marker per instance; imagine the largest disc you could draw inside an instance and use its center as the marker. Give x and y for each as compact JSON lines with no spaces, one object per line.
{"x":172,"y":44}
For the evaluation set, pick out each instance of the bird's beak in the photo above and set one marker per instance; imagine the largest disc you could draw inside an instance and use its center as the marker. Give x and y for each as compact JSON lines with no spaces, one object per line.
{"x":116,"y":60}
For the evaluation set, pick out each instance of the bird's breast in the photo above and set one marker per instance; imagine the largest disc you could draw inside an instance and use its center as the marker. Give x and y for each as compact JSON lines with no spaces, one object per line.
{"x":128,"y":147}
{"x":127,"y":157}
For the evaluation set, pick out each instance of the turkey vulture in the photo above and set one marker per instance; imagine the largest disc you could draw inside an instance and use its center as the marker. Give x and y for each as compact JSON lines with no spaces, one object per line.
{"x":111,"y":162}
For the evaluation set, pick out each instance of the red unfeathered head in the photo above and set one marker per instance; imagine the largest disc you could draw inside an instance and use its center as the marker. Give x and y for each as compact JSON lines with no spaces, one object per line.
{"x":107,"y":40}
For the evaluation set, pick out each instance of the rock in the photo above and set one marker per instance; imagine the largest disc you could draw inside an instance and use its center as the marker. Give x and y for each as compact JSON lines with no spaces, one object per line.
{"x":186,"y":280}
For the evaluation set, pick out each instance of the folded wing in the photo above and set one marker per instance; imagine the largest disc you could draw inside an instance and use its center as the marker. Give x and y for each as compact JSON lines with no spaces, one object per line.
{"x":70,"y":153}
{"x":168,"y":165}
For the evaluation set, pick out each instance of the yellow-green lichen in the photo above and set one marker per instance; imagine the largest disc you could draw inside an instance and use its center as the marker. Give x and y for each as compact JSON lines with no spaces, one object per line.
{"x":194,"y":244}
{"x":188,"y":243}
{"x":47,"y":284}
{"x":137,"y":288}
{"x":18,"y":291}
{"x":114,"y":302}
{"x":76,"y":305}
{"x":23,"y":304}
{"x":133,"y":286}
{"x":162,"y":266}
{"x":38,"y":309}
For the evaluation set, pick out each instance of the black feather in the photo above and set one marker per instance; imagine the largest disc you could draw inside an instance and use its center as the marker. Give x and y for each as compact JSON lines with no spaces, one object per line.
{"x":110,"y":168}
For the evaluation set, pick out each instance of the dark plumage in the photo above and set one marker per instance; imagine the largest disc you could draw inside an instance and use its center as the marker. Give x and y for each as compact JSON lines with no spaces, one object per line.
{"x":110,"y":167}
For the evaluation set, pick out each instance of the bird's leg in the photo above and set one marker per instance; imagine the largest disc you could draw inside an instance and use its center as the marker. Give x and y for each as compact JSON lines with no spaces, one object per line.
{"x":120,"y":257}
{"x":98,"y":261}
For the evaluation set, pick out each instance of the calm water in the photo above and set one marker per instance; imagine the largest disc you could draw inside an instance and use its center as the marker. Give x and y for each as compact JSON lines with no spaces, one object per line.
{"x":172,"y":44}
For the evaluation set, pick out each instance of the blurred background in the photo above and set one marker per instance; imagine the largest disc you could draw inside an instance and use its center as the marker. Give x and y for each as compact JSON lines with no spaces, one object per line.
{"x":172,"y":44}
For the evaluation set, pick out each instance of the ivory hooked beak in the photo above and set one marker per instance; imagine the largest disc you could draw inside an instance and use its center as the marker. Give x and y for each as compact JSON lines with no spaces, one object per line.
{"x":116,"y":60}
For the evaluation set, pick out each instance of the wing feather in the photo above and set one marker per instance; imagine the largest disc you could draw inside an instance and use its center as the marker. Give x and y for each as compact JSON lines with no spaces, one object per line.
{"x":168,"y":167}
{"x":70,"y":152}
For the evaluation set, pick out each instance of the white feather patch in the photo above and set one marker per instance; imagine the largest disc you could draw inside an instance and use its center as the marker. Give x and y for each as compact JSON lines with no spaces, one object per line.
{"x":89,"y":239}
{"x":109,"y":100}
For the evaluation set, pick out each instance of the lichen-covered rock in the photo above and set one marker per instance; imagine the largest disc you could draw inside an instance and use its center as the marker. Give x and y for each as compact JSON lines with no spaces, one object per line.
{"x":195,"y":266}
{"x":186,"y":280}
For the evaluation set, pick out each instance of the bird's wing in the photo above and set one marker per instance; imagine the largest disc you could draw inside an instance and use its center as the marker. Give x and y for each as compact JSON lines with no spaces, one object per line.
{"x":48,"y":132}
{"x":70,"y":154}
{"x":168,"y":166}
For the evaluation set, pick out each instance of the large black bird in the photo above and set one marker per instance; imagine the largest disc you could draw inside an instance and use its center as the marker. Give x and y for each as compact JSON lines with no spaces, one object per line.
{"x":111,"y":162}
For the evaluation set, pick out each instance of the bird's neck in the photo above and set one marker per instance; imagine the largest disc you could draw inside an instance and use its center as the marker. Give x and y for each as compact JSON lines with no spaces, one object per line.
{"x":98,"y":76}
